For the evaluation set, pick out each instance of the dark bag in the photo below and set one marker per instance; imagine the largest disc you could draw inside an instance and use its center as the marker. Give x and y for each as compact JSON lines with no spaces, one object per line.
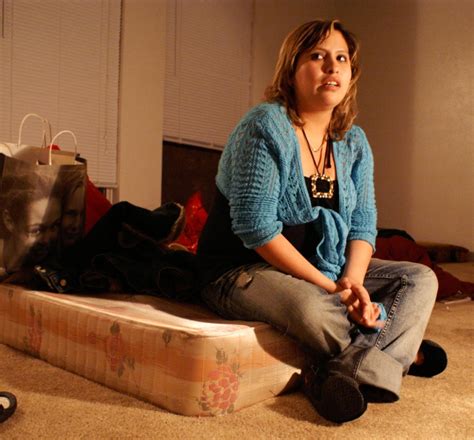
{"x":42,"y":204}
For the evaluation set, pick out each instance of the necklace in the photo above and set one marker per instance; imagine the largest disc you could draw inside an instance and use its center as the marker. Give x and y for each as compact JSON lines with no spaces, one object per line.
{"x":322,"y":186}
{"x":315,"y":149}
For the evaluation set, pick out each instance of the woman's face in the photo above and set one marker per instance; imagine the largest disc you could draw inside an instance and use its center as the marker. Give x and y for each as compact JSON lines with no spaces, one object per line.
{"x":323,"y":75}
{"x":73,"y":217}
{"x":34,"y":234}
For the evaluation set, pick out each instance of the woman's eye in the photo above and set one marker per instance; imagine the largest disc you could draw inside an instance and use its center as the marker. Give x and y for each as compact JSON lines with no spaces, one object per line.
{"x":342,"y":58}
{"x":34,"y":231}
{"x":317,"y":56}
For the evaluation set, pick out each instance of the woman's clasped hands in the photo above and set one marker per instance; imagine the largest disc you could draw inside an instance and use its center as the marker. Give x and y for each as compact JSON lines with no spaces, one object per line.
{"x":360,"y":308}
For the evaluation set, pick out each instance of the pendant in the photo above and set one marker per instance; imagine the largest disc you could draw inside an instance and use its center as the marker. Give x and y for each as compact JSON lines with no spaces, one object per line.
{"x":322,"y":187}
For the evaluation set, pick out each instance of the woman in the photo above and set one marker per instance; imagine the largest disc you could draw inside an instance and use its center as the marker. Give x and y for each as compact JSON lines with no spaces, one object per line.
{"x":290,"y":237}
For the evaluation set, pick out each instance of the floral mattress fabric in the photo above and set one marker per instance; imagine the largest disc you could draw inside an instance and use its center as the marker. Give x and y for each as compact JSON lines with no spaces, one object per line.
{"x":178,"y":356}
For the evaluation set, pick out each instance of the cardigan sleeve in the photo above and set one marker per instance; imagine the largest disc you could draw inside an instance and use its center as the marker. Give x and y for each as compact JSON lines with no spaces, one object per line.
{"x":249,"y":177}
{"x":364,"y":215}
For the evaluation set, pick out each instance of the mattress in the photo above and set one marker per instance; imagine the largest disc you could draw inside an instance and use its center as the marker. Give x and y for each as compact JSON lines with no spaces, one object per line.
{"x":178,"y":356}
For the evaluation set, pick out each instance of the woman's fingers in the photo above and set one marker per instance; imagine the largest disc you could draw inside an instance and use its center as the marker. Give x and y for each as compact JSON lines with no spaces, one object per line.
{"x":365,"y":304}
{"x":360,"y":308}
{"x":355,"y":312}
{"x":345,"y":295}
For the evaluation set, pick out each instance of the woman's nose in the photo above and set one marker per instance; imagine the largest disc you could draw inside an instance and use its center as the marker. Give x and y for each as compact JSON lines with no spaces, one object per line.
{"x":50,"y":234}
{"x":331,"y":65}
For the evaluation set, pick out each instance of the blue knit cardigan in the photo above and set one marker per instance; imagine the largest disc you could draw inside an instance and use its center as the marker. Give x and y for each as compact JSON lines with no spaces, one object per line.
{"x":261,"y":176}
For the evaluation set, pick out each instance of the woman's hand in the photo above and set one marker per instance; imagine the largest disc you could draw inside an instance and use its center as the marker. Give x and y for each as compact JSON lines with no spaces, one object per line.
{"x":359,"y":306}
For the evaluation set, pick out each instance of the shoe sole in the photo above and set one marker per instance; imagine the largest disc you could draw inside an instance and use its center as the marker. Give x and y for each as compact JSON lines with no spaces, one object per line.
{"x":341,"y":401}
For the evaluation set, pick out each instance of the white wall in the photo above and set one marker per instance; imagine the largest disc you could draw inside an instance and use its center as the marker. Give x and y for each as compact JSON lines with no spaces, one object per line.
{"x":416,"y":105}
{"x":141,"y":101}
{"x":444,"y":128}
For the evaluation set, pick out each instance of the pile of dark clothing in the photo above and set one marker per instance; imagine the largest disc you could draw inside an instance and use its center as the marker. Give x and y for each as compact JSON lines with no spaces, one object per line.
{"x":398,"y":245}
{"x":127,"y":251}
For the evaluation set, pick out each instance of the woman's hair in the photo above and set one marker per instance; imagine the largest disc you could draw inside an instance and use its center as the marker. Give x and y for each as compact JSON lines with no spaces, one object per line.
{"x":70,"y":178}
{"x":302,"y":39}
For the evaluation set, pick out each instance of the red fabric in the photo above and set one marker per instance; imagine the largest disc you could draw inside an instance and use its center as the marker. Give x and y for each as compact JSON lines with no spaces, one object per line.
{"x":96,"y":206}
{"x":399,"y":248}
{"x":196,"y":217}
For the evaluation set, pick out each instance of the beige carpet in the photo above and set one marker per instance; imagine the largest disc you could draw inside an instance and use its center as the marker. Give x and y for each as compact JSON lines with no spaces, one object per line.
{"x":55,"y":404}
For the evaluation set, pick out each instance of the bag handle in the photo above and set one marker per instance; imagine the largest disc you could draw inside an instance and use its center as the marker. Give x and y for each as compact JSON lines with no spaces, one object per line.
{"x":5,"y":145}
{"x":54,"y":139}
{"x":45,"y":124}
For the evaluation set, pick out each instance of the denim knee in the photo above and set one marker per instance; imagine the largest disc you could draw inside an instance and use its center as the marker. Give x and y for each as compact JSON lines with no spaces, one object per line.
{"x":321,"y":325}
{"x":418,"y":281}
{"x":424,"y":280}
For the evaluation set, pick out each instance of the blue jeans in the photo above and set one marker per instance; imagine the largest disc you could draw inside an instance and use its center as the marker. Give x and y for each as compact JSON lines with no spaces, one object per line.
{"x":319,"y":321}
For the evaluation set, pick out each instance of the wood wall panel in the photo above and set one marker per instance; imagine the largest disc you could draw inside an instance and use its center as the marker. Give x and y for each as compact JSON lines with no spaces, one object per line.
{"x":187,"y":169}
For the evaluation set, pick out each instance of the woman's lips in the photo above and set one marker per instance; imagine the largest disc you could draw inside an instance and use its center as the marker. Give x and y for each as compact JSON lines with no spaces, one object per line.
{"x":330,"y":85}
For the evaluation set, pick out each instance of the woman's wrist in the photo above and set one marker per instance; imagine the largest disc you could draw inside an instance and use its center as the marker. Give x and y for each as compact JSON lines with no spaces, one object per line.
{"x":352,"y":278}
{"x":324,"y":282}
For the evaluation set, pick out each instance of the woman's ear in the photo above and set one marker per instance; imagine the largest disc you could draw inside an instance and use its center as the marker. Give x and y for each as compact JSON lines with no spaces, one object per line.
{"x":8,"y":221}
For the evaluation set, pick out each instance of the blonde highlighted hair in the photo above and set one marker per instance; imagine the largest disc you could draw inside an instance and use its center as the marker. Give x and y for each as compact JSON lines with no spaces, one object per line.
{"x":302,"y":39}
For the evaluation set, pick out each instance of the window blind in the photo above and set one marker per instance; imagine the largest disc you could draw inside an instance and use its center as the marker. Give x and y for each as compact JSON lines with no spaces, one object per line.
{"x":208,"y":69}
{"x":60,"y":59}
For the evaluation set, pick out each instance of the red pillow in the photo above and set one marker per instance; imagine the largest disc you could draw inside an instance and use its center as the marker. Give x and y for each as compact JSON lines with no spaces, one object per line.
{"x":196,"y":217}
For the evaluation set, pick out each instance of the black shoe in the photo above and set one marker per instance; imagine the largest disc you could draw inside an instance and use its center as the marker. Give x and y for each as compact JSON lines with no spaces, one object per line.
{"x":336,"y":398}
{"x":435,"y":360}
{"x":5,"y":413}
